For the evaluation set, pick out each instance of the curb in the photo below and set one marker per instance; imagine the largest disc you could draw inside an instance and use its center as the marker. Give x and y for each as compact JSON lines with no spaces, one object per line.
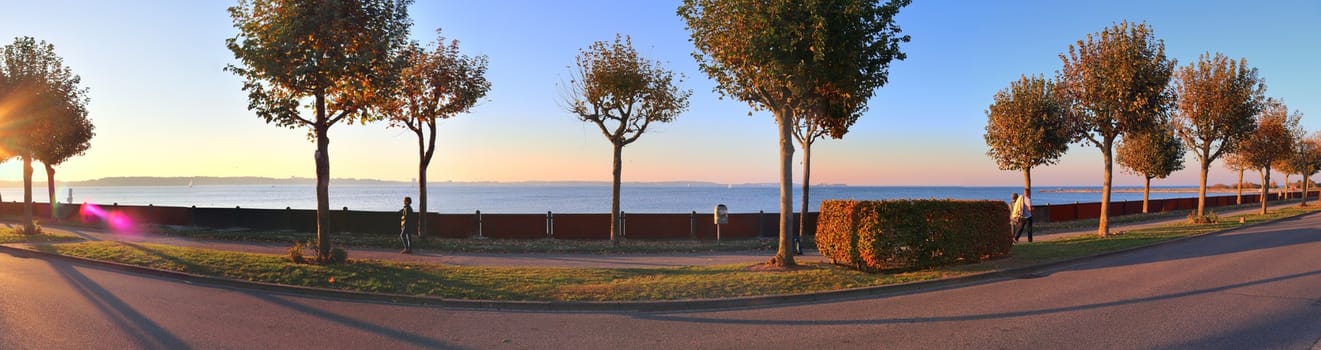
{"x":881,"y":291}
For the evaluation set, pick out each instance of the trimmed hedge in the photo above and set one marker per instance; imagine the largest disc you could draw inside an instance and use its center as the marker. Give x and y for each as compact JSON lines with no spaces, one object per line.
{"x":905,"y":234}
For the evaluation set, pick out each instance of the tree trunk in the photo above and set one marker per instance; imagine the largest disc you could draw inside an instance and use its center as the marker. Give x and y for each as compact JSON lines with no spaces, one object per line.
{"x":616,"y":172}
{"x":28,"y":227}
{"x":1027,"y":182}
{"x":1240,"y":184}
{"x":1306,"y":180}
{"x":784,"y":255}
{"x":322,"y":179}
{"x":50,"y":190}
{"x":424,"y":162}
{"x":1146,"y":194}
{"x":1201,"y":190}
{"x":807,"y":180}
{"x":1284,"y":193}
{"x":1265,"y":188}
{"x":1104,"y":229}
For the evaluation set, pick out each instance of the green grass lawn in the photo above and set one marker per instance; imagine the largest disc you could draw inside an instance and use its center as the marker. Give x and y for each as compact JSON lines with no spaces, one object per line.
{"x":361,"y":240}
{"x":596,"y":284}
{"x":11,"y":235}
{"x":493,"y":283}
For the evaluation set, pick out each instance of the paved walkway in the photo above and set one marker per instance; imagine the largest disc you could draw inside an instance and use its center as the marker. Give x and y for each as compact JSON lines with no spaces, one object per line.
{"x":580,"y":260}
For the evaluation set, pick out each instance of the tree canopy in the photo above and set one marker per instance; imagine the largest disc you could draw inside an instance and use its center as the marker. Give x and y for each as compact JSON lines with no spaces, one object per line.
{"x":1272,"y":140}
{"x":1153,"y":154}
{"x":433,"y":84}
{"x":1027,"y":126}
{"x":622,"y":93}
{"x":43,"y":113}
{"x":790,"y":56}
{"x":1217,"y":99}
{"x":337,"y":58}
{"x":1116,"y":82}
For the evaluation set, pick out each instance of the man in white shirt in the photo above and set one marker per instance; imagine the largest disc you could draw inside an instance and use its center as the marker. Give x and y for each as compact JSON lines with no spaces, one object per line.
{"x":1022,"y":210}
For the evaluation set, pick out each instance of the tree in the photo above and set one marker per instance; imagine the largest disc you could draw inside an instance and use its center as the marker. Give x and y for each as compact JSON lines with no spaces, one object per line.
{"x":67,"y":133}
{"x":1235,"y":162}
{"x":432,"y":85}
{"x":1027,"y":126}
{"x":1152,"y":154}
{"x":332,"y":57}
{"x":1117,"y":84}
{"x":41,"y":94}
{"x":1272,"y":140}
{"x":787,"y":56}
{"x":1285,"y":167}
{"x":1307,"y":159}
{"x":806,"y":132}
{"x":1217,"y":99}
{"x":622,"y":93}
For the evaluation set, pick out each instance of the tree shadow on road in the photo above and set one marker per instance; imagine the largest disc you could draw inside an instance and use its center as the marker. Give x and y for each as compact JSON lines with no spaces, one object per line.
{"x":989,"y":316}
{"x":403,"y":336}
{"x":1279,"y":234}
{"x":145,"y":333}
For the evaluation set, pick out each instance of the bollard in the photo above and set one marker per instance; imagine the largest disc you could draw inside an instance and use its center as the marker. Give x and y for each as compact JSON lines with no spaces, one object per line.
{"x":479,"y":224}
{"x":692,"y":225}
{"x":550,"y":224}
{"x":623,"y":224}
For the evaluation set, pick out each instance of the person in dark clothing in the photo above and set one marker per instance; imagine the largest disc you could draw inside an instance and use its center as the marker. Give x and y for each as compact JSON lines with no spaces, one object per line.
{"x":407,"y":225}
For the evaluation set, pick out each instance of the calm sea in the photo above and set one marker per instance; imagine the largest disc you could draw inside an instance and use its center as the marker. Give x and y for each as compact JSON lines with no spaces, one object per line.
{"x":519,"y":198}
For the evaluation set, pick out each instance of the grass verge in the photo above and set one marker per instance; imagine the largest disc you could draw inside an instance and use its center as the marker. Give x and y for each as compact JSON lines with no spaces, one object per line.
{"x":12,"y":235}
{"x":492,"y":283}
{"x":596,"y":284}
{"x":361,"y":240}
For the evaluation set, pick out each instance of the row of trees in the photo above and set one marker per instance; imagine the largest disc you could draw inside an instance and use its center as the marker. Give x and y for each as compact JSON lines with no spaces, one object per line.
{"x":349,"y":62}
{"x":1117,"y":88}
{"x":812,"y":64}
{"x":43,"y":114}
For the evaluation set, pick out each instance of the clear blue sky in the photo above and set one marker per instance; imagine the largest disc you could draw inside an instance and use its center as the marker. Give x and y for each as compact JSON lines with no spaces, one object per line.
{"x":163,"y":106}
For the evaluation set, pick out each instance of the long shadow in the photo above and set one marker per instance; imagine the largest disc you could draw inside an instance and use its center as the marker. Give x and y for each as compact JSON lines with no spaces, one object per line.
{"x":990,"y":316}
{"x":411,"y":338}
{"x":1288,"y":232}
{"x":145,"y":333}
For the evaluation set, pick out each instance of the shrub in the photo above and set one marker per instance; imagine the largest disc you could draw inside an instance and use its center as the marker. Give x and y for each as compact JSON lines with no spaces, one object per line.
{"x":1210,"y":218}
{"x":296,"y":253}
{"x":338,"y":255}
{"x":902,"y":234}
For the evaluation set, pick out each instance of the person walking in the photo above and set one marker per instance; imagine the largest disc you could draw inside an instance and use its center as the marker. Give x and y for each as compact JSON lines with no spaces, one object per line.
{"x":1023,"y":206}
{"x":407,"y":225}
{"x":1015,"y":215}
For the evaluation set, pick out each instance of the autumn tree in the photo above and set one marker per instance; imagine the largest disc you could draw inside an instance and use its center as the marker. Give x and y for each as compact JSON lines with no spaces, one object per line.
{"x":622,"y":93}
{"x":67,"y":133}
{"x":806,"y":131}
{"x":1117,"y":84}
{"x":1027,"y":126}
{"x":40,"y":95}
{"x":1235,"y":162}
{"x":1272,"y":140}
{"x":787,"y":56}
{"x":1307,"y":160}
{"x":433,"y":84}
{"x":1154,"y":154}
{"x":317,"y":63}
{"x":1217,"y":98}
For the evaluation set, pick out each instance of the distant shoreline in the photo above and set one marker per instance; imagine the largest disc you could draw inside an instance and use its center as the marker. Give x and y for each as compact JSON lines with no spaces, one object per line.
{"x":1161,"y":190}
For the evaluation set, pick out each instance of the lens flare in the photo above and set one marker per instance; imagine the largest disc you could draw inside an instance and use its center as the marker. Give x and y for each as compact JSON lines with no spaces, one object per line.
{"x":115,"y":220}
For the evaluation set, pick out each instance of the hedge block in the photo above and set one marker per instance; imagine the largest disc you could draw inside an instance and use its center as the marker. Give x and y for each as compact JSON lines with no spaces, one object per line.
{"x":904,"y":234}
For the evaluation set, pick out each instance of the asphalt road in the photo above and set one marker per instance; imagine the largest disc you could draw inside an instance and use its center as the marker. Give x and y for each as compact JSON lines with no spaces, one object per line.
{"x":1258,"y":288}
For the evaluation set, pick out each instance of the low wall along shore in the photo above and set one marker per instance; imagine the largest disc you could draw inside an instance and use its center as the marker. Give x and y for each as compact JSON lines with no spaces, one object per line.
{"x":689,"y":226}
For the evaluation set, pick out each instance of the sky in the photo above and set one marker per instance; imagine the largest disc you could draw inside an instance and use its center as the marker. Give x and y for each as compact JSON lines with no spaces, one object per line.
{"x":163,"y":105}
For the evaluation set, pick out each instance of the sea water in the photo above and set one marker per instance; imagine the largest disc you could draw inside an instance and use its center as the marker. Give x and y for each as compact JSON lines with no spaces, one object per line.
{"x":559,"y":198}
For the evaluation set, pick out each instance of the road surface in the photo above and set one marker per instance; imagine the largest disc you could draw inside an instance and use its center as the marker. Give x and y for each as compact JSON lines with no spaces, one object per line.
{"x":1256,"y":288}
